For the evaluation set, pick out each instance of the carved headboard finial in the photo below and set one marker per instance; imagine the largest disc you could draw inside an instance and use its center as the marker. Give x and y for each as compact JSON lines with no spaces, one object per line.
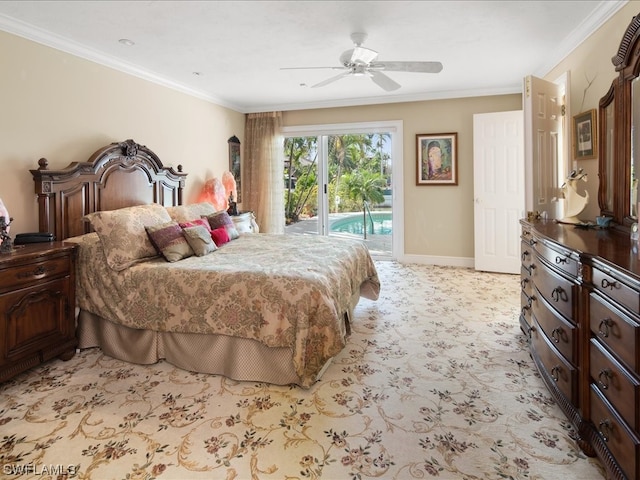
{"x":43,"y":163}
{"x":129,"y":147}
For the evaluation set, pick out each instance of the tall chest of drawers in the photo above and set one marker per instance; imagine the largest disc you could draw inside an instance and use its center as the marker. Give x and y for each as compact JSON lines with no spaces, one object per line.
{"x":581,"y":312}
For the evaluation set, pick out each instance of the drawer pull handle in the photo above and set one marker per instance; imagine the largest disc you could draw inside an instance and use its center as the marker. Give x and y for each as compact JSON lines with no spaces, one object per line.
{"x":562,"y":260}
{"x":603,"y":378}
{"x":555,"y":371}
{"x":524,"y":255}
{"x":603,"y":327}
{"x":556,"y":334}
{"x":523,"y":312}
{"x":37,"y":272}
{"x":605,"y":429}
{"x":532,"y":242}
{"x":523,"y":283}
{"x":607,"y":284}
{"x":558,"y":294}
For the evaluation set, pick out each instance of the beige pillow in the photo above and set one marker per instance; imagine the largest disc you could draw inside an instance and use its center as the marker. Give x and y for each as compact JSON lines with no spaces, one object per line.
{"x":123,"y":233}
{"x":186,"y":213}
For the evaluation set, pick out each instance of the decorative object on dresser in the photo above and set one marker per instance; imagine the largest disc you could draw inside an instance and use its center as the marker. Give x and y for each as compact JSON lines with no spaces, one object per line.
{"x":574,"y":202}
{"x":6,"y":245}
{"x":37,"y":306}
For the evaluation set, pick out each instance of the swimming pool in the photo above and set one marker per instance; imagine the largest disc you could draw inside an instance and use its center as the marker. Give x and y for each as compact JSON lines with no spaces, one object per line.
{"x":353,"y":224}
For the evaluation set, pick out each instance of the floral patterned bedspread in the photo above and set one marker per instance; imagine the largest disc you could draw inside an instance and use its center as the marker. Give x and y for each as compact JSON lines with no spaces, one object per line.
{"x":282,"y":290}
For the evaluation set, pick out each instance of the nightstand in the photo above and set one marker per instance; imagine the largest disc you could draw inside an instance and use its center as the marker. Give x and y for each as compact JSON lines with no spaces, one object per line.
{"x":37,"y":306}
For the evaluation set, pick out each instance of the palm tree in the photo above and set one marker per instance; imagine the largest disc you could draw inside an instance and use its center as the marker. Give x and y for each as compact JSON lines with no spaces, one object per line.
{"x":364,"y":187}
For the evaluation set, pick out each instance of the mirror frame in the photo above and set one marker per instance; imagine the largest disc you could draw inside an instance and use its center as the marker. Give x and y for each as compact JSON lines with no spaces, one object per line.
{"x":627,"y":64}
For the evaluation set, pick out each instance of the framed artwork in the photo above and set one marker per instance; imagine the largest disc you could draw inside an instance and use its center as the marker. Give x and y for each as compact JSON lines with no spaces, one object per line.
{"x":437,"y":159}
{"x":585,"y":135}
{"x":234,"y":164}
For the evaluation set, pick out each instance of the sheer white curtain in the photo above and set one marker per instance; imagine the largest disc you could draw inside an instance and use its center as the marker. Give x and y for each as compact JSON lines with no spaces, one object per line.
{"x":264,"y":164}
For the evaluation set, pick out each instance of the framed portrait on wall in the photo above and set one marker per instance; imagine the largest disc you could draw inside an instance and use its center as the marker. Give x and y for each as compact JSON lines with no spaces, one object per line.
{"x":437,"y":159}
{"x":235,"y":164}
{"x":585,"y":135}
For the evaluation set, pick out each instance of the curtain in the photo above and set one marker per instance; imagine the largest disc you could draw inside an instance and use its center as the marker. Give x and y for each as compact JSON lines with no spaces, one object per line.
{"x":264,"y":164}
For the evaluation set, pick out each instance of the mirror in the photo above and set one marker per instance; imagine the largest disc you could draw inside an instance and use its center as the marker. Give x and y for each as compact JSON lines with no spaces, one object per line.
{"x":619,"y":134}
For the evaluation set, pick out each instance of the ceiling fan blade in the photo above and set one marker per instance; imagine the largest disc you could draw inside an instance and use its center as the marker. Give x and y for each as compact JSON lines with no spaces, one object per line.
{"x":311,"y":68}
{"x":383,"y":81}
{"x":330,"y":80}
{"x":418,"y":67}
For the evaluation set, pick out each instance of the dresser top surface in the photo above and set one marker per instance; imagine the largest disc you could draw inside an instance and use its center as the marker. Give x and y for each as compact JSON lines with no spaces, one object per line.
{"x":608,"y":245}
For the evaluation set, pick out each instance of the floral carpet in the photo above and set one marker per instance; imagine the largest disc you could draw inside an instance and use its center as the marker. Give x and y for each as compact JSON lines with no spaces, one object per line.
{"x":435,"y":382}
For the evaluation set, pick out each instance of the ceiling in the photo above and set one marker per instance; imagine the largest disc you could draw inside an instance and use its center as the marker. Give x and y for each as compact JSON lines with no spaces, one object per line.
{"x":232,"y":52}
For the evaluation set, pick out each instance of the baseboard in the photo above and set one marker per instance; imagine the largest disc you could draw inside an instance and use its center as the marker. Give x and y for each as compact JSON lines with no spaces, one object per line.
{"x":441,"y":261}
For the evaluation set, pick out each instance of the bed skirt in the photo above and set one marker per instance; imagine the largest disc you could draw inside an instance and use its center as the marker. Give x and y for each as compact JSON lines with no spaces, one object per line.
{"x":236,"y":358}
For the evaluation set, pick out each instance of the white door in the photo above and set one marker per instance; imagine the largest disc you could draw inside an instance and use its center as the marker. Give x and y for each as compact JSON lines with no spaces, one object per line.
{"x":544,"y":145}
{"x":499,"y":191}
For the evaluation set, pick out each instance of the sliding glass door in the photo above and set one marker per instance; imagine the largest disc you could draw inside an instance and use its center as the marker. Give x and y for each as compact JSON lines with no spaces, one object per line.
{"x":341,"y":184}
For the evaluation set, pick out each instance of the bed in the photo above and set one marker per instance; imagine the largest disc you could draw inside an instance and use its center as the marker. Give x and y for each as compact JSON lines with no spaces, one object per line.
{"x":261,"y":307}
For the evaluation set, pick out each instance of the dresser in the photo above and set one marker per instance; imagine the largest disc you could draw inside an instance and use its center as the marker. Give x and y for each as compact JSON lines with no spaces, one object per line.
{"x":581,"y":314}
{"x":37,"y":306}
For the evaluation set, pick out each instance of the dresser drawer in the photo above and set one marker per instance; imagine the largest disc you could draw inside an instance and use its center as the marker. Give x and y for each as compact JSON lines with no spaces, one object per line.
{"x":615,"y":383}
{"x":558,"y":291}
{"x":616,"y":290}
{"x":615,"y":329}
{"x":30,"y":273}
{"x":620,"y":441}
{"x":558,"y":330}
{"x":561,"y":371}
{"x":561,"y":259}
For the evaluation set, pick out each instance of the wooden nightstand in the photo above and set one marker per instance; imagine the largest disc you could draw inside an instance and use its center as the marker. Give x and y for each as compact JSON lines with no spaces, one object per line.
{"x":37,"y":306}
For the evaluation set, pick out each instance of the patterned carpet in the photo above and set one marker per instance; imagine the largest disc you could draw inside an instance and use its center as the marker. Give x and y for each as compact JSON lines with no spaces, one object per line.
{"x":436,"y":382}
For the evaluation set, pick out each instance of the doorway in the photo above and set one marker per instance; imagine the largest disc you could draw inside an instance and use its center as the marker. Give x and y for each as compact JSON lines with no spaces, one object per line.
{"x":339,"y":181}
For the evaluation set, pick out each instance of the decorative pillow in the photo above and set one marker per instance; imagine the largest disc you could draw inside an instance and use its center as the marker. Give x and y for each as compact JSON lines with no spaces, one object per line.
{"x":222,"y":219}
{"x":184,"y":213}
{"x":220,"y":236}
{"x":200,"y":239}
{"x":197,"y":222}
{"x":170,"y":241}
{"x":123,"y":235}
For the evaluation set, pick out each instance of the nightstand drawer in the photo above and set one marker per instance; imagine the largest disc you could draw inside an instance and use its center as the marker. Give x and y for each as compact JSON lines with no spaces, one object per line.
{"x":38,"y":271}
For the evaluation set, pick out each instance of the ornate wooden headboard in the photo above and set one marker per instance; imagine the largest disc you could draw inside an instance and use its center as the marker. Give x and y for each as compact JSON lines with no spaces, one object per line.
{"x":118,"y":175}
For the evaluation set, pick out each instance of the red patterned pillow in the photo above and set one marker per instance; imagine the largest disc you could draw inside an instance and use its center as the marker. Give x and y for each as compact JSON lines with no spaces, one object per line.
{"x":222,"y":219}
{"x":220,"y":236}
{"x":169,"y":241}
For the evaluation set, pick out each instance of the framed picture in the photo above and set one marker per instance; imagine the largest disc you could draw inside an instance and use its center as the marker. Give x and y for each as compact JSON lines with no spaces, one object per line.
{"x":437,"y":159}
{"x":234,"y":164}
{"x":585,"y":136}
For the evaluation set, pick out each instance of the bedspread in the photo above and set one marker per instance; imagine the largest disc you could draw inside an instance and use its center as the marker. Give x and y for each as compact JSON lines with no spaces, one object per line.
{"x":282,"y":290}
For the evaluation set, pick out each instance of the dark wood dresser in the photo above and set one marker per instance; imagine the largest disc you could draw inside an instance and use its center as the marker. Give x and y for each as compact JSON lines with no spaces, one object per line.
{"x":37,"y":306}
{"x":581,"y":313}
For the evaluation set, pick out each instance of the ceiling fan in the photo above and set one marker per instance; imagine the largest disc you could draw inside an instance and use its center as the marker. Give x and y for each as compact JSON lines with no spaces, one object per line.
{"x":360,"y":61}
